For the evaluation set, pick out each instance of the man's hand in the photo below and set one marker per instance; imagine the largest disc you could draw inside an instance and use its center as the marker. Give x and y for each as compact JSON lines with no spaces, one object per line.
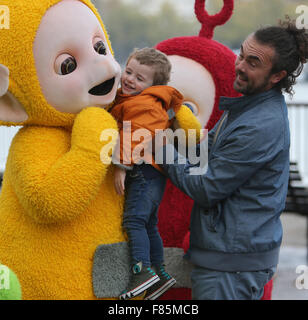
{"x":119,"y":180}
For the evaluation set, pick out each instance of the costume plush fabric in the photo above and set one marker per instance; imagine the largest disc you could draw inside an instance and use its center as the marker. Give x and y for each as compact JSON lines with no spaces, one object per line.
{"x":174,"y":212}
{"x":9,"y":285}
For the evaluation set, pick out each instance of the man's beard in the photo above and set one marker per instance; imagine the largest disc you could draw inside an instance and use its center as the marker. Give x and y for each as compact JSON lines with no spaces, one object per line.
{"x":250,"y":88}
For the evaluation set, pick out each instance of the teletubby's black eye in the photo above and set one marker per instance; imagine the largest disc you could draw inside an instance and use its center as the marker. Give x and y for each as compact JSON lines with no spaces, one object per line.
{"x":68,"y":66}
{"x":100,"y":47}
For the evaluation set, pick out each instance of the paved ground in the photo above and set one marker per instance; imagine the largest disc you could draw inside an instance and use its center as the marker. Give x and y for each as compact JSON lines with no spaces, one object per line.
{"x":293,"y":253}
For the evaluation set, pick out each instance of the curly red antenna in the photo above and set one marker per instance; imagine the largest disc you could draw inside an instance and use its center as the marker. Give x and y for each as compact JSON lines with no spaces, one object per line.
{"x":210,"y":22}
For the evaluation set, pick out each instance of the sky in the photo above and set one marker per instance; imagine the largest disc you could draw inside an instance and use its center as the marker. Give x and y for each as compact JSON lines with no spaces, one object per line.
{"x":185,"y":7}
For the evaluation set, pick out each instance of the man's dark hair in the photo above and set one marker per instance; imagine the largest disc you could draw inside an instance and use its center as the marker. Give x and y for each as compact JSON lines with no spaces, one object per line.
{"x":291,"y":47}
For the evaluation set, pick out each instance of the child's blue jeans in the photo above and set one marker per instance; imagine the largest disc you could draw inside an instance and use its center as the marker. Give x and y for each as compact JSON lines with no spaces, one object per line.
{"x":144,"y":189}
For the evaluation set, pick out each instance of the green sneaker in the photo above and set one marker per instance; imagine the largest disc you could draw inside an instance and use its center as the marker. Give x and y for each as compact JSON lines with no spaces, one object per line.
{"x":142,"y":279}
{"x":160,"y":287}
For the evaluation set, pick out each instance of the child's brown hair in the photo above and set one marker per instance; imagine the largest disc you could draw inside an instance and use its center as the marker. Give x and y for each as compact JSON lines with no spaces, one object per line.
{"x":157,"y":59}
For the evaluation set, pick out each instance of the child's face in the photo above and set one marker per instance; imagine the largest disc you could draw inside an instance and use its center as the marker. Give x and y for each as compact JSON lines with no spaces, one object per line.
{"x":136,"y":77}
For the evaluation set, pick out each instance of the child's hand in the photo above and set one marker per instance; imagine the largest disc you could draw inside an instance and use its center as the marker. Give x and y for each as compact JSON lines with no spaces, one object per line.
{"x":119,"y":180}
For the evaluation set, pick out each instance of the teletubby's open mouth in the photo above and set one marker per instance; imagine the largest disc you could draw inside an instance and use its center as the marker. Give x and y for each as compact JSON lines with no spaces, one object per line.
{"x":103,"y":88}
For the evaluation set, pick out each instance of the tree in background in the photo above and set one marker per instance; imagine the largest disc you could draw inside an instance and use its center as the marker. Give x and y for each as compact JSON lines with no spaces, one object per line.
{"x":131,"y":25}
{"x":249,"y":15}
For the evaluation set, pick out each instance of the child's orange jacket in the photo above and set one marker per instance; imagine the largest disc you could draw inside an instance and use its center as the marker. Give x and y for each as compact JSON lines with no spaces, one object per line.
{"x":150,"y":110}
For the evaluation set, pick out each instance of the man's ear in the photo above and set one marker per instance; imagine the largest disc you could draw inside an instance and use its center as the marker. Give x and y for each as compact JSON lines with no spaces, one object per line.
{"x":276,"y":77}
{"x":11,"y":109}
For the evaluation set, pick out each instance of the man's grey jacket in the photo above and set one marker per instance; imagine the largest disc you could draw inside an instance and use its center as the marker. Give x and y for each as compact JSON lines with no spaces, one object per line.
{"x":235,"y":221}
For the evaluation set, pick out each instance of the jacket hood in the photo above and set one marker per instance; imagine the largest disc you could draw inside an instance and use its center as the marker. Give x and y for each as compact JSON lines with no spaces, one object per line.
{"x":171,"y":97}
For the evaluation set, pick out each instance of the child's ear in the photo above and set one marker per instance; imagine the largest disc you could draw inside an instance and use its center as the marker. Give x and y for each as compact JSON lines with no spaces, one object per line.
{"x":11,"y":109}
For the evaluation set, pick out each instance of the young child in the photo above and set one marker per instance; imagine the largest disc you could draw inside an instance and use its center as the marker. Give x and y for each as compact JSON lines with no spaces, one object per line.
{"x":146,"y":102}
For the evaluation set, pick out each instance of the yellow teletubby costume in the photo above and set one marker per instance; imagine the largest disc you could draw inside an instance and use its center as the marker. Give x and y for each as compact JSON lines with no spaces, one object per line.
{"x":57,"y":202}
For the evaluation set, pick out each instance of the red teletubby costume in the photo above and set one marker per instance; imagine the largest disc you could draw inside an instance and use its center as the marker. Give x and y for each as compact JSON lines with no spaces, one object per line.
{"x":202,"y":70}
